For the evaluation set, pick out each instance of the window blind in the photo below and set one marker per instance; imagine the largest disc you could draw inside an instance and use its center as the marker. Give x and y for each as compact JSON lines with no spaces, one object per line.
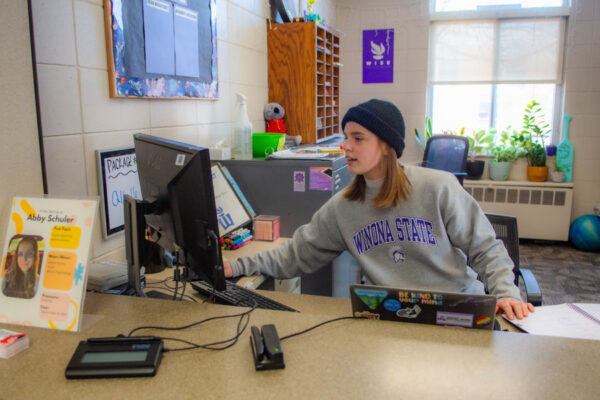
{"x":514,"y":50}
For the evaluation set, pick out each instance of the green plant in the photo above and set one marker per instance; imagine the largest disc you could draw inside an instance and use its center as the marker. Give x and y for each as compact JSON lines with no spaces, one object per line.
{"x":536,"y":155}
{"x":479,"y":142}
{"x":428,"y":133}
{"x":535,"y":129}
{"x":503,"y":153}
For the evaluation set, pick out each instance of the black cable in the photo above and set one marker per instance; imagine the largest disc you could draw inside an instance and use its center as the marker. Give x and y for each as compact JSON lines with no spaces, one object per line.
{"x":313,"y":327}
{"x":183,"y":290}
{"x":211,"y":346}
{"x":177,"y":275}
{"x":241,"y":315}
{"x":168,"y":289}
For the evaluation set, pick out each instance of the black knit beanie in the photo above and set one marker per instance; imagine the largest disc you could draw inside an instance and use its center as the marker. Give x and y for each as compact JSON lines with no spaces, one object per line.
{"x":382,"y":118}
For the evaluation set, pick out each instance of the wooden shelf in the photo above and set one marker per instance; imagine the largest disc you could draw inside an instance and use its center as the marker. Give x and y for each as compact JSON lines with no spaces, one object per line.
{"x":303,"y":60}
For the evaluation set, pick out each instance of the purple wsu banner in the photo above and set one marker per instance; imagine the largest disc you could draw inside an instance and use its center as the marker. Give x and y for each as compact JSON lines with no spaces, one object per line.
{"x":378,"y":56}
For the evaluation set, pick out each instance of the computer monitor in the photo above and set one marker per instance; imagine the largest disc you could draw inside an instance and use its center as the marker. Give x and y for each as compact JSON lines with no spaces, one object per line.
{"x":177,"y":211}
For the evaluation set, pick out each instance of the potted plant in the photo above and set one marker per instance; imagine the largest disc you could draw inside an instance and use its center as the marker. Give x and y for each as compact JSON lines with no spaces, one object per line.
{"x":555,"y":173}
{"x":534,"y":128}
{"x":511,"y":138}
{"x":428,"y":133}
{"x":503,"y":157}
{"x":479,"y":141}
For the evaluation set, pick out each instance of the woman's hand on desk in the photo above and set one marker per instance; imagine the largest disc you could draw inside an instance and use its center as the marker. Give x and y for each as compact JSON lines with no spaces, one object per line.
{"x":512,"y":307}
{"x":227,"y":269}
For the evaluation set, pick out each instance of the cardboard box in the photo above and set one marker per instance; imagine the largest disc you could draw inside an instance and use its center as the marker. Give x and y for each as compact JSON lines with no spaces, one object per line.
{"x":266,"y":227}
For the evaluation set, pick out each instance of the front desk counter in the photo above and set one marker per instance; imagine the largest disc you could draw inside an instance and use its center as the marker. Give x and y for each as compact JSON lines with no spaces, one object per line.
{"x":354,"y":359}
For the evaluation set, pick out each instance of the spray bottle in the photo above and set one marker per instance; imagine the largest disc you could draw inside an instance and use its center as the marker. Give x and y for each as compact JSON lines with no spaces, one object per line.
{"x":241,"y":135}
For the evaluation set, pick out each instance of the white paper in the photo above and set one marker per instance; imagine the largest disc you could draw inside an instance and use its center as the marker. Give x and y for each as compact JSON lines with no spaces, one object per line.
{"x":563,"y":320}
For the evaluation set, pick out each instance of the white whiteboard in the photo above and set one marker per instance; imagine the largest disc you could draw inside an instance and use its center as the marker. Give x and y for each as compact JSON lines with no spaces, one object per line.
{"x":117,"y":176}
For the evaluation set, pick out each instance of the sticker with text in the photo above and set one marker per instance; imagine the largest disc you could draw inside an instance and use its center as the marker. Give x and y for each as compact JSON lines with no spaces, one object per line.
{"x":366,"y":314}
{"x":434,"y":299}
{"x":454,"y":319}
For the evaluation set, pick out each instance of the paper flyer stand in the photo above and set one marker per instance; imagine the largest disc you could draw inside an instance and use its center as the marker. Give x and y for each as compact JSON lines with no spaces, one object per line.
{"x":45,"y":262}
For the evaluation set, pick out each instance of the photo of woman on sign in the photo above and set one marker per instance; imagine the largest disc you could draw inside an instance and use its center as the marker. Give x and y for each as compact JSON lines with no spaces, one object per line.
{"x":20,"y":271}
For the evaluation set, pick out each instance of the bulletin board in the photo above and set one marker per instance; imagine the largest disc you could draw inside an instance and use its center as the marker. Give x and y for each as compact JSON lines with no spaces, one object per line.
{"x":162,"y":48}
{"x":117,"y":176}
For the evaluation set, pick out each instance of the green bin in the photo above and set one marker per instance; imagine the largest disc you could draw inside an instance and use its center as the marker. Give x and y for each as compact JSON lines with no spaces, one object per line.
{"x":266,"y":143}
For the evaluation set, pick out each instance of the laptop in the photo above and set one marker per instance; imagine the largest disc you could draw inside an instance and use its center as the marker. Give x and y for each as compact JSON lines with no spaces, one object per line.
{"x":423,"y":307}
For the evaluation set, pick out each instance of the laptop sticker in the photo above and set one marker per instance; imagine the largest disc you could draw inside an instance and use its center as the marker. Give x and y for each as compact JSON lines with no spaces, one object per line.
{"x":366,"y":314}
{"x":411,"y":313}
{"x":392,"y":305}
{"x":421,"y":298}
{"x":454,"y":319}
{"x":483,"y":321}
{"x":372,"y":298}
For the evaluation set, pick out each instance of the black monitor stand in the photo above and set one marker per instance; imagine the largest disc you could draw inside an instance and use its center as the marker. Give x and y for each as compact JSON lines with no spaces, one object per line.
{"x":135,"y":248}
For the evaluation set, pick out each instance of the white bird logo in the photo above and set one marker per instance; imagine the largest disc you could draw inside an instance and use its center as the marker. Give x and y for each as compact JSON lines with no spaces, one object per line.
{"x":377,"y":50}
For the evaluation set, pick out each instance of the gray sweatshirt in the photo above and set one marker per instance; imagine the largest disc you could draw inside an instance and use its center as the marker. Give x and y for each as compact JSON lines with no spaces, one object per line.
{"x":422,"y":244}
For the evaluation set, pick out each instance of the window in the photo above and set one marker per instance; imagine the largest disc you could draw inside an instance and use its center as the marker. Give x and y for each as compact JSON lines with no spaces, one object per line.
{"x":462,"y":5}
{"x":489,"y":58}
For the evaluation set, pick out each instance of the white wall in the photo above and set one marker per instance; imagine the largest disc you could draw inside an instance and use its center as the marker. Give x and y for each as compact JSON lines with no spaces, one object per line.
{"x":582,"y":101}
{"x":20,"y":164}
{"x":409,"y":18}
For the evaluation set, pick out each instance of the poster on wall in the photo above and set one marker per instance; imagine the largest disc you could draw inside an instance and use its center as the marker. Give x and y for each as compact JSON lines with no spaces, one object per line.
{"x":378,"y":56}
{"x":162,"y":48}
{"x":45,"y":262}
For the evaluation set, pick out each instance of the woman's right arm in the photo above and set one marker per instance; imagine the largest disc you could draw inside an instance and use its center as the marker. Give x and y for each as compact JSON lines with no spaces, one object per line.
{"x":312,"y":246}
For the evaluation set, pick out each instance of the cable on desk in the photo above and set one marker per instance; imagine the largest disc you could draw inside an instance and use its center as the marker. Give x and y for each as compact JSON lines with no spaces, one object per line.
{"x":241,"y":327}
{"x":313,"y":327}
{"x":167,"y":288}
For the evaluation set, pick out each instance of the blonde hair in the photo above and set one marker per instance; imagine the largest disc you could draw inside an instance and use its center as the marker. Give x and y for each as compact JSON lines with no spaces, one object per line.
{"x":395,"y":188}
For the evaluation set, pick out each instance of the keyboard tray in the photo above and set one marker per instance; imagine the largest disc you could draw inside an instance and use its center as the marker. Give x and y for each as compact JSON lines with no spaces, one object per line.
{"x":235,"y":295}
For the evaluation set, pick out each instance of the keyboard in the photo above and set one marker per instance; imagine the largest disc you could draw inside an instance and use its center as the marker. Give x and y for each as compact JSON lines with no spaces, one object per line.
{"x":235,"y":295}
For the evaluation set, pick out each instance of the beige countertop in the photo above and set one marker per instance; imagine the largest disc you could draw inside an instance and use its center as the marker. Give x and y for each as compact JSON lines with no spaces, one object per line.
{"x":344,"y":359}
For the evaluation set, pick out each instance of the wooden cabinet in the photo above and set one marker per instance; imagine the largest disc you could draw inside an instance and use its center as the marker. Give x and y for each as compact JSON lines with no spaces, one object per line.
{"x":304,"y":77}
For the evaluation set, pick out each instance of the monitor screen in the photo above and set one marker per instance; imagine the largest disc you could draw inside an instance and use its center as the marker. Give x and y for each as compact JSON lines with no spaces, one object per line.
{"x":176,"y":184}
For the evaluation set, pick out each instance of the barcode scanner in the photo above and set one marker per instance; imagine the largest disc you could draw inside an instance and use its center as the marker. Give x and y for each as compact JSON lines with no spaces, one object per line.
{"x":266,"y":348}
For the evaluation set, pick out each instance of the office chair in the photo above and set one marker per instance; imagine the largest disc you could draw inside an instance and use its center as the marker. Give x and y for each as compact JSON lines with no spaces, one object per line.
{"x":506,"y":230}
{"x":448,"y":153}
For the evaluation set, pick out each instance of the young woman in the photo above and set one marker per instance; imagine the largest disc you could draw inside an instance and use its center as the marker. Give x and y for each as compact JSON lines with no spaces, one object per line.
{"x":20,"y":276}
{"x":406,"y":226}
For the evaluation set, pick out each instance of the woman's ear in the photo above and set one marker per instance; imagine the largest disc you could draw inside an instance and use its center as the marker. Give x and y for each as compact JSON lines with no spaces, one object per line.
{"x":385,"y":148}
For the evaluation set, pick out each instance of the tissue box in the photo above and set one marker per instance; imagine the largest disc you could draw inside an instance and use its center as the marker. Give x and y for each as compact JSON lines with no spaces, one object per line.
{"x":266,"y":227}
{"x":220,"y":153}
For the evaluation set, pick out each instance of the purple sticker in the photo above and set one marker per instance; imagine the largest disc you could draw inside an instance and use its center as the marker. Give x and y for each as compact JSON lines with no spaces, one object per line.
{"x":299,"y":181}
{"x":320,"y":178}
{"x":454,"y":319}
{"x":378,"y":56}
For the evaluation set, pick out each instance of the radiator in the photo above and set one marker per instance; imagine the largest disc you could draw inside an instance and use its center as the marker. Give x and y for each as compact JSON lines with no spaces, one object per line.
{"x":543,"y":209}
